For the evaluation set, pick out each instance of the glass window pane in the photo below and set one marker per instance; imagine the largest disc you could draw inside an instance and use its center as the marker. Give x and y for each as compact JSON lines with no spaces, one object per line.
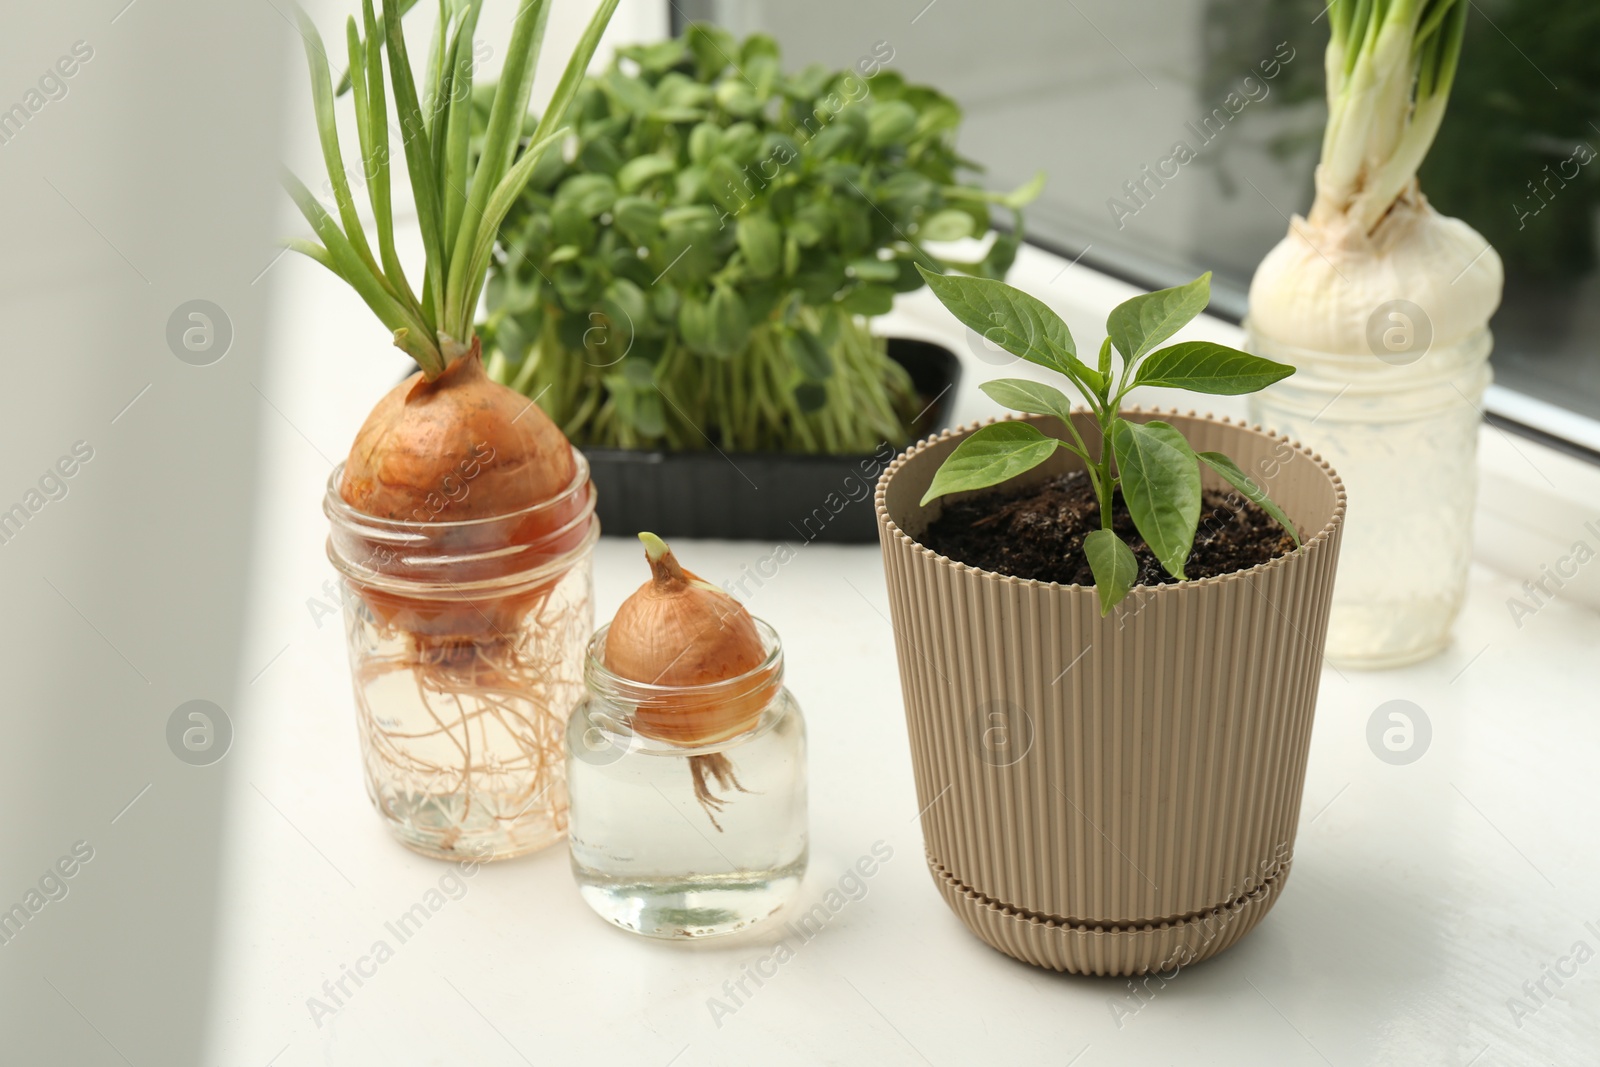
{"x":1180,"y":135}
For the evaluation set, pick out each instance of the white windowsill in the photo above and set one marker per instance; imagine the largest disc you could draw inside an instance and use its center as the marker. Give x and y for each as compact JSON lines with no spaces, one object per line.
{"x":1423,"y":896}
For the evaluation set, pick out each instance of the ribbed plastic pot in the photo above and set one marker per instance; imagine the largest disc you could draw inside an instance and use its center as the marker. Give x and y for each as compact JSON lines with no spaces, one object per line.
{"x":1112,"y":795}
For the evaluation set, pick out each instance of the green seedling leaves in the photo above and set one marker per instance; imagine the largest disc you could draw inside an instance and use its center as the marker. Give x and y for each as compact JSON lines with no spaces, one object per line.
{"x":1241,"y":481}
{"x":875,"y":270}
{"x":1034,"y":398}
{"x":632,"y":175}
{"x":810,"y":397}
{"x":1113,"y":565}
{"x":869,"y":300}
{"x":705,"y":175}
{"x":590,"y":194}
{"x":1010,"y":318}
{"x":889,"y":122}
{"x":637,"y":219}
{"x":990,"y":456}
{"x":638,"y":401}
{"x":809,"y":355}
{"x":1160,"y":480}
{"x":1138,"y":325}
{"x":727,"y":323}
{"x":1157,"y":471}
{"x":761,"y":241}
{"x":1209,"y":368}
{"x":947,"y":225}
{"x":1026,"y":193}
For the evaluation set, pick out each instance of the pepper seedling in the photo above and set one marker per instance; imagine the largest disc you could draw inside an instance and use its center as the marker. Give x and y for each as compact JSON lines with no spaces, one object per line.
{"x":1156,"y":471}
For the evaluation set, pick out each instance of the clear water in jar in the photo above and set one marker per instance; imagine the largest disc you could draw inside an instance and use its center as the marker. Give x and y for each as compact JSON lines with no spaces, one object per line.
{"x":647,"y":854}
{"x":461,"y":737}
{"x":1404,"y":440}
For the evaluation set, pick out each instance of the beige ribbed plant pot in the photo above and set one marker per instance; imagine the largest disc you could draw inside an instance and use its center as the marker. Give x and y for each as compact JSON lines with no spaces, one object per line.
{"x":1112,"y":795}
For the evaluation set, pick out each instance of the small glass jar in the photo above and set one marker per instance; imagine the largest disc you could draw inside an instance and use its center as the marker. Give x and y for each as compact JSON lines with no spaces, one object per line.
{"x":676,"y":840}
{"x":1401,"y":429}
{"x":466,"y":648}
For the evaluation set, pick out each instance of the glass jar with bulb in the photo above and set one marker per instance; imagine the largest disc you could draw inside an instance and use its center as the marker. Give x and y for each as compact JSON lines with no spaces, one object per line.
{"x":1400,"y":424}
{"x":688,"y":803}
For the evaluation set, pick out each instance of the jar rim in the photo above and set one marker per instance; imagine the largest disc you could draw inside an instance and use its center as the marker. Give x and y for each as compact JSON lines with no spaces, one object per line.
{"x":604,"y":682}
{"x":338,"y":511}
{"x":463,"y":559}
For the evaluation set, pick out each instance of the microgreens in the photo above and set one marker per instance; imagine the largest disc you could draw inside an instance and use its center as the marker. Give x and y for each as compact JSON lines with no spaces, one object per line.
{"x":700,"y":267}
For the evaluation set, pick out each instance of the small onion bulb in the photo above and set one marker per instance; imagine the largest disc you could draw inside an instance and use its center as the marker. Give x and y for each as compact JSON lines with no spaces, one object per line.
{"x":679,"y":630}
{"x":680,"y":636}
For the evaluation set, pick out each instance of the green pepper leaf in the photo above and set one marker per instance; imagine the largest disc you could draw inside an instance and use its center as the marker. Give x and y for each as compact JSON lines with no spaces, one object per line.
{"x":1114,"y":567}
{"x":1034,"y":398}
{"x":989,"y":456}
{"x":1138,"y":325}
{"x":1241,"y":481}
{"x":1160,"y":481}
{"x":1204,"y":367}
{"x":1013,"y":320}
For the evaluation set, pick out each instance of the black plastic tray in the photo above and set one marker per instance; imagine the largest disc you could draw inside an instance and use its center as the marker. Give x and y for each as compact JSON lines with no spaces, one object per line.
{"x":766,"y":496}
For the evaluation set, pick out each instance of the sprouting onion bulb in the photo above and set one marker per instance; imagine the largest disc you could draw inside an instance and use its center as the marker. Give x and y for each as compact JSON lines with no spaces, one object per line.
{"x":678,"y":631}
{"x":419,"y":435}
{"x":1371,"y":236}
{"x":413,"y":441}
{"x":681,"y":636}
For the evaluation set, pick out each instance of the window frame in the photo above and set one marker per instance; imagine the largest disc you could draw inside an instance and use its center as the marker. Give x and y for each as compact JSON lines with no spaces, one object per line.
{"x":1563,"y":429}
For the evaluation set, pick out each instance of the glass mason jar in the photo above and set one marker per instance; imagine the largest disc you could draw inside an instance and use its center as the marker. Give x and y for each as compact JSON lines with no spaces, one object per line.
{"x":1401,"y":429}
{"x":466,"y":648}
{"x":679,"y":840}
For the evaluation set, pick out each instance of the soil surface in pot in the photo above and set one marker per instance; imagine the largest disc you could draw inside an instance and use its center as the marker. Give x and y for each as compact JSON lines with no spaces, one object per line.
{"x":1038,"y":533}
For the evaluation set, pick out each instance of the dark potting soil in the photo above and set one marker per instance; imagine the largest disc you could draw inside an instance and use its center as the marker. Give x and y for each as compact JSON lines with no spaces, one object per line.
{"x":1038,"y":533}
